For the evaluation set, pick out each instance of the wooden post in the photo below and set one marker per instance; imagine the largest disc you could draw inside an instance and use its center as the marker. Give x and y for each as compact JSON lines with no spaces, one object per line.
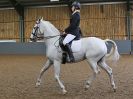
{"x":20,"y":10}
{"x":128,"y":20}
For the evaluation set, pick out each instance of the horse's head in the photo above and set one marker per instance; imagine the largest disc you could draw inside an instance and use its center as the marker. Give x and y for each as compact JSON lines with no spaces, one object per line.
{"x":37,"y":31}
{"x":43,"y":29}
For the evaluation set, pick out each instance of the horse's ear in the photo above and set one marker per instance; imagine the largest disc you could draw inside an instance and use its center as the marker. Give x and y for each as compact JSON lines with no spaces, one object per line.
{"x":41,"y":18}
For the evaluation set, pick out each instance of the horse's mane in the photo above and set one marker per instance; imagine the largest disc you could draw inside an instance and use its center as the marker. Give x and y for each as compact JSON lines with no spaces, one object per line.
{"x":51,"y":27}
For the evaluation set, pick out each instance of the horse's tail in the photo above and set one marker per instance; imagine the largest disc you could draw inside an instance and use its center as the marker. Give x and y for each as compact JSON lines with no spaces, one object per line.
{"x":113,"y":54}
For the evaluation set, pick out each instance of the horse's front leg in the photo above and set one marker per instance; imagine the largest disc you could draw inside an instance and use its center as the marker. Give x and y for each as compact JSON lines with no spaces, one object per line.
{"x":44,"y":68}
{"x":57,"y":76}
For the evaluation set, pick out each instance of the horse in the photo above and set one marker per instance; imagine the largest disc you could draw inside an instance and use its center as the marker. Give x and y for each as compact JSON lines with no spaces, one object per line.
{"x":93,"y":49}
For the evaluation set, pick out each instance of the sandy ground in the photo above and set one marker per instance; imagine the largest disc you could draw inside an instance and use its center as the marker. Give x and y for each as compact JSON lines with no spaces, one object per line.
{"x":18,"y":77}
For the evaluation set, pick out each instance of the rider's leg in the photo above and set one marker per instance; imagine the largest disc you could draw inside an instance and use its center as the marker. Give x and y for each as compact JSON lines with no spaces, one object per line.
{"x":70,"y":53}
{"x":66,"y":41}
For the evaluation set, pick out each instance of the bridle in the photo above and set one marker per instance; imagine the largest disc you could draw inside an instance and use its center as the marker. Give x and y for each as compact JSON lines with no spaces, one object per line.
{"x":38,"y":37}
{"x":35,"y":33}
{"x":37,"y":29}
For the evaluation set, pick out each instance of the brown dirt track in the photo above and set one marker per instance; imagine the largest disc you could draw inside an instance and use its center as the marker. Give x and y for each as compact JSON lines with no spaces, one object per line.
{"x":18,"y":76}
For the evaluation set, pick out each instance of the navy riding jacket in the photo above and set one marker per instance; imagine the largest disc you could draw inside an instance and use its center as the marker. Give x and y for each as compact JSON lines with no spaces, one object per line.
{"x":73,"y":27}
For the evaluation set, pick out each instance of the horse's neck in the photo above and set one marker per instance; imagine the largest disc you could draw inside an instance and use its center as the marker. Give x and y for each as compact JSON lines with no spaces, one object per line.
{"x":52,"y":41}
{"x":50,"y":31}
{"x":52,"y":38}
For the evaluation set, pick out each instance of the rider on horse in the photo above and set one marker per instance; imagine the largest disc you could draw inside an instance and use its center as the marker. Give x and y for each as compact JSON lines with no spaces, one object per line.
{"x":72,"y":31}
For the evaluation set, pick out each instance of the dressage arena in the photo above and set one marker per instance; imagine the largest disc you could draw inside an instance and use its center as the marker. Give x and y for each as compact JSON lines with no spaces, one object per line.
{"x":18,"y":75}
{"x":21,"y":60}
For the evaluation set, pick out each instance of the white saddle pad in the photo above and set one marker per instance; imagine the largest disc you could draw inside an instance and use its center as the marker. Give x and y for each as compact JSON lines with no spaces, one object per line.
{"x":76,"y":46}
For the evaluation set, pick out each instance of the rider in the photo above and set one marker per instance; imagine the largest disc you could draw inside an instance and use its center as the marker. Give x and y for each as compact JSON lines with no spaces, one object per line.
{"x":72,"y":31}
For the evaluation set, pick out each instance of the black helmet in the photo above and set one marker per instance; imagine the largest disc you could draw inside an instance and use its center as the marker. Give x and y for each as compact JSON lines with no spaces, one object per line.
{"x":76,"y":5}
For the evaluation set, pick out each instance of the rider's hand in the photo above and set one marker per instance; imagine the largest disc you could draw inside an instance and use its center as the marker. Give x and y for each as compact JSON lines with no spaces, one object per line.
{"x":64,"y":32}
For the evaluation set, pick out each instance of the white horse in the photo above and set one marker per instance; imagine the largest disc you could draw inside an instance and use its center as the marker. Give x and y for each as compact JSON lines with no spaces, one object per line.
{"x":93,"y":49}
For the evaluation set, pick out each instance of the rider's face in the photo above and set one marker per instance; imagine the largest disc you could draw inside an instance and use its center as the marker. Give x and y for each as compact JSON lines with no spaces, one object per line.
{"x":73,"y":8}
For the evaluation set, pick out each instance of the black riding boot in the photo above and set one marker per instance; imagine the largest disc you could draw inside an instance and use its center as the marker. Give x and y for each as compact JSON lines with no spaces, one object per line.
{"x":69,"y":50}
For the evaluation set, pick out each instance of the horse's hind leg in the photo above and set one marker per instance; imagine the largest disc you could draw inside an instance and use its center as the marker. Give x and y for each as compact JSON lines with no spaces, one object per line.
{"x":57,"y":75}
{"x":95,"y":69}
{"x":108,"y":69}
{"x":44,"y":68}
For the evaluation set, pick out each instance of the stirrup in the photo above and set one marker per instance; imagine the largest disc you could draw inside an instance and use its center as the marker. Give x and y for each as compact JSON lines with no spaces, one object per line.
{"x":72,"y":59}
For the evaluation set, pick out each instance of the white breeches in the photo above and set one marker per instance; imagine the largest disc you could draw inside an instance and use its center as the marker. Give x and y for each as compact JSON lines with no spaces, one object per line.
{"x":68,"y":38}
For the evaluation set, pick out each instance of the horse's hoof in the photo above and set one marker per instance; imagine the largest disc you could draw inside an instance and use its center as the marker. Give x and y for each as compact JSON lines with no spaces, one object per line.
{"x":38,"y":84}
{"x":87,"y":87}
{"x":64,"y":92}
{"x":99,"y":71}
{"x":114,"y":89}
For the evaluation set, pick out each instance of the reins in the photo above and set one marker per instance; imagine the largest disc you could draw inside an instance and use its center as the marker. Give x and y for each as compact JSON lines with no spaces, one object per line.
{"x":49,"y":37}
